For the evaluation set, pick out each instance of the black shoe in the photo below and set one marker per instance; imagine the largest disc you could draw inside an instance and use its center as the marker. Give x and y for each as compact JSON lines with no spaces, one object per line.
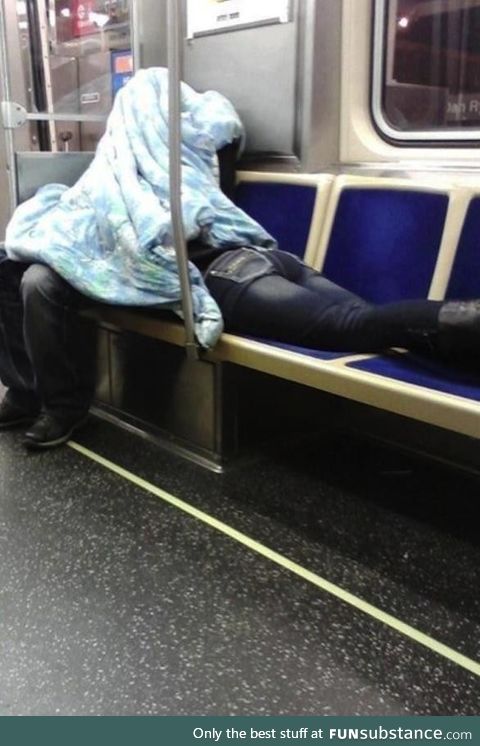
{"x":459,"y":332}
{"x":49,"y":431}
{"x":12,"y":415}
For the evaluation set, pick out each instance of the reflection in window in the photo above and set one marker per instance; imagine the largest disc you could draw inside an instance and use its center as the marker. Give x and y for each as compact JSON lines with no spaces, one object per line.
{"x":432,"y":70}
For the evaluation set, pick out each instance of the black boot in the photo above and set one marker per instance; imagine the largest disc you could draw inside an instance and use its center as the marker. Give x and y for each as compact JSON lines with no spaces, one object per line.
{"x":459,"y":333}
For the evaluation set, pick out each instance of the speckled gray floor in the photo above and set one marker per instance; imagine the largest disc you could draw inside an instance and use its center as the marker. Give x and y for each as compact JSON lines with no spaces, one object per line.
{"x":112,"y":602}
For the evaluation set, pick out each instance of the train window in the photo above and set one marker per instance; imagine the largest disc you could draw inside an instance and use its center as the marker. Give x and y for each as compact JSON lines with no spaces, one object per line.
{"x":426,"y":72}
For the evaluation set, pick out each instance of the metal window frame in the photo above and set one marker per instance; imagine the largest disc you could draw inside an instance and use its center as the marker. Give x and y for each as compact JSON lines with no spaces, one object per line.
{"x":419,"y":137}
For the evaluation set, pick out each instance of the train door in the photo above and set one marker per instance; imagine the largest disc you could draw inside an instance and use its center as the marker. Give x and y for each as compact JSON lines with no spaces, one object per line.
{"x":62,"y":63}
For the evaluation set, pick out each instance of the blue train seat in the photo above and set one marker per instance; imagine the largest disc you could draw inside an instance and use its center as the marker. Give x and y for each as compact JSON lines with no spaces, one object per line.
{"x":410,"y":368}
{"x":465,"y":275}
{"x":290,"y":207}
{"x":384,"y":241}
{"x":385,"y":244}
{"x":284,"y":210}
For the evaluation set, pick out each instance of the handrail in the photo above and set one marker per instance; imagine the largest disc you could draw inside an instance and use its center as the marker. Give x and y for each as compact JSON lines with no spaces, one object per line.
{"x":5,"y":95}
{"x":175,"y":171}
{"x":135,"y":44}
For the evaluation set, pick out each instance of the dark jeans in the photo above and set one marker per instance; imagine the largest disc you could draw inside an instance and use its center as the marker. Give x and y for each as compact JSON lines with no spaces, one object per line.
{"x":274,"y":295}
{"x":47,"y":352}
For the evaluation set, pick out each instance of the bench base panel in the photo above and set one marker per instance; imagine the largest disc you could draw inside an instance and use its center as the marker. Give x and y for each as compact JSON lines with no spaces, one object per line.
{"x":151,"y":386}
{"x":209,"y":411}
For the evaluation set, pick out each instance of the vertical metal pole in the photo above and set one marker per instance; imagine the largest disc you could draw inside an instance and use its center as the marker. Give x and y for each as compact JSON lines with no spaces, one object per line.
{"x":134,"y":15}
{"x":175,"y":168}
{"x":6,"y":96}
{"x":43,"y":19}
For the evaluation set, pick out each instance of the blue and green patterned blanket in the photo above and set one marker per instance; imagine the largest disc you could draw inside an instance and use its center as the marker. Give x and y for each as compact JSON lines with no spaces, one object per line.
{"x":110,"y":235}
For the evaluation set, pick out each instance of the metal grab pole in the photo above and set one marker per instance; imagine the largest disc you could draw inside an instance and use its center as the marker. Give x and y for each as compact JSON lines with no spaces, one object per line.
{"x":134,"y":14}
{"x":175,"y":168}
{"x":5,"y":94}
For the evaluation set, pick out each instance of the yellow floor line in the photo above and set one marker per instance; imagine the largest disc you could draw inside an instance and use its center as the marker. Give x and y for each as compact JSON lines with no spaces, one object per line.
{"x":311,"y":577}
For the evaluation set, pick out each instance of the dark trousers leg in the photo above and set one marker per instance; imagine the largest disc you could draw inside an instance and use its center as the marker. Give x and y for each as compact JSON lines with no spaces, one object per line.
{"x":60,"y":345}
{"x":16,"y":372}
{"x":45,"y":343}
{"x":297,"y":305}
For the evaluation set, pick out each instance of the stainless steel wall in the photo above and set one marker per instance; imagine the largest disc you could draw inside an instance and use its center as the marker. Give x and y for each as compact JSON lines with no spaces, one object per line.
{"x":284,"y":79}
{"x":256,"y":69}
{"x":319,"y":83}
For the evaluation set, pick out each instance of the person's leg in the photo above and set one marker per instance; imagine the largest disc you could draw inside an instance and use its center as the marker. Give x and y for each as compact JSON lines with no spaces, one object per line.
{"x":255,"y":298}
{"x":278,"y":297}
{"x":20,"y":403}
{"x":61,"y":348}
{"x":275,"y":308}
{"x":293,"y":303}
{"x":447,"y":330}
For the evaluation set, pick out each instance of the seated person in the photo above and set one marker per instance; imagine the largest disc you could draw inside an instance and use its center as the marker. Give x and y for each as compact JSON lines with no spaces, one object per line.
{"x":47,"y":351}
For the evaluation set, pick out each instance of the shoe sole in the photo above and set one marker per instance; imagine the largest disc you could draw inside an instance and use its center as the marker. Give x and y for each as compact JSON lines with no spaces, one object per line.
{"x":34,"y":445}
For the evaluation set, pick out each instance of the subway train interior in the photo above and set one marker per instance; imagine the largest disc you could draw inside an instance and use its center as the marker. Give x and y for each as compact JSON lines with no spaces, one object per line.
{"x":256,"y":528}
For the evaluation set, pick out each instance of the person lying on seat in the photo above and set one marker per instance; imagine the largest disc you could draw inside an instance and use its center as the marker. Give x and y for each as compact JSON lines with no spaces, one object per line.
{"x":273,"y":294}
{"x":109,"y":238}
{"x":276,"y":296}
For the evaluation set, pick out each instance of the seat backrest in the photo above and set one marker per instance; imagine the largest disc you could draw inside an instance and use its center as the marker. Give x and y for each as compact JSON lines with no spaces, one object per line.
{"x":465,"y":274}
{"x":290,"y":207}
{"x":382,"y":237}
{"x":37,"y":169}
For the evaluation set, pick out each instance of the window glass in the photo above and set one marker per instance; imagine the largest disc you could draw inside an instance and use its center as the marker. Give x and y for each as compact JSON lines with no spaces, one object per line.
{"x":431,"y":74}
{"x":75,"y":54}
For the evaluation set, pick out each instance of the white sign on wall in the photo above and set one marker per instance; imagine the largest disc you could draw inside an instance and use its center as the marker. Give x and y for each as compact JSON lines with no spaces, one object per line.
{"x":208,"y":16}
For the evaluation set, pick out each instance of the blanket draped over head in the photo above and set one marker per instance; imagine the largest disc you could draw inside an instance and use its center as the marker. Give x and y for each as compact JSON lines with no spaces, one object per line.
{"x":110,"y":235}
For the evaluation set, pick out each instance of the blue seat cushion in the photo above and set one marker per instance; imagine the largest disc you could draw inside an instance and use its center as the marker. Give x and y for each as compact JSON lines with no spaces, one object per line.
{"x":307,"y":351}
{"x":284,"y":210}
{"x":384,"y":242}
{"x":465,"y":275}
{"x":429,"y":374}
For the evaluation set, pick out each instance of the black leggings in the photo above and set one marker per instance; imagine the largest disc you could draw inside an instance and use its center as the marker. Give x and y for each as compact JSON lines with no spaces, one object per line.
{"x":272,"y":294}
